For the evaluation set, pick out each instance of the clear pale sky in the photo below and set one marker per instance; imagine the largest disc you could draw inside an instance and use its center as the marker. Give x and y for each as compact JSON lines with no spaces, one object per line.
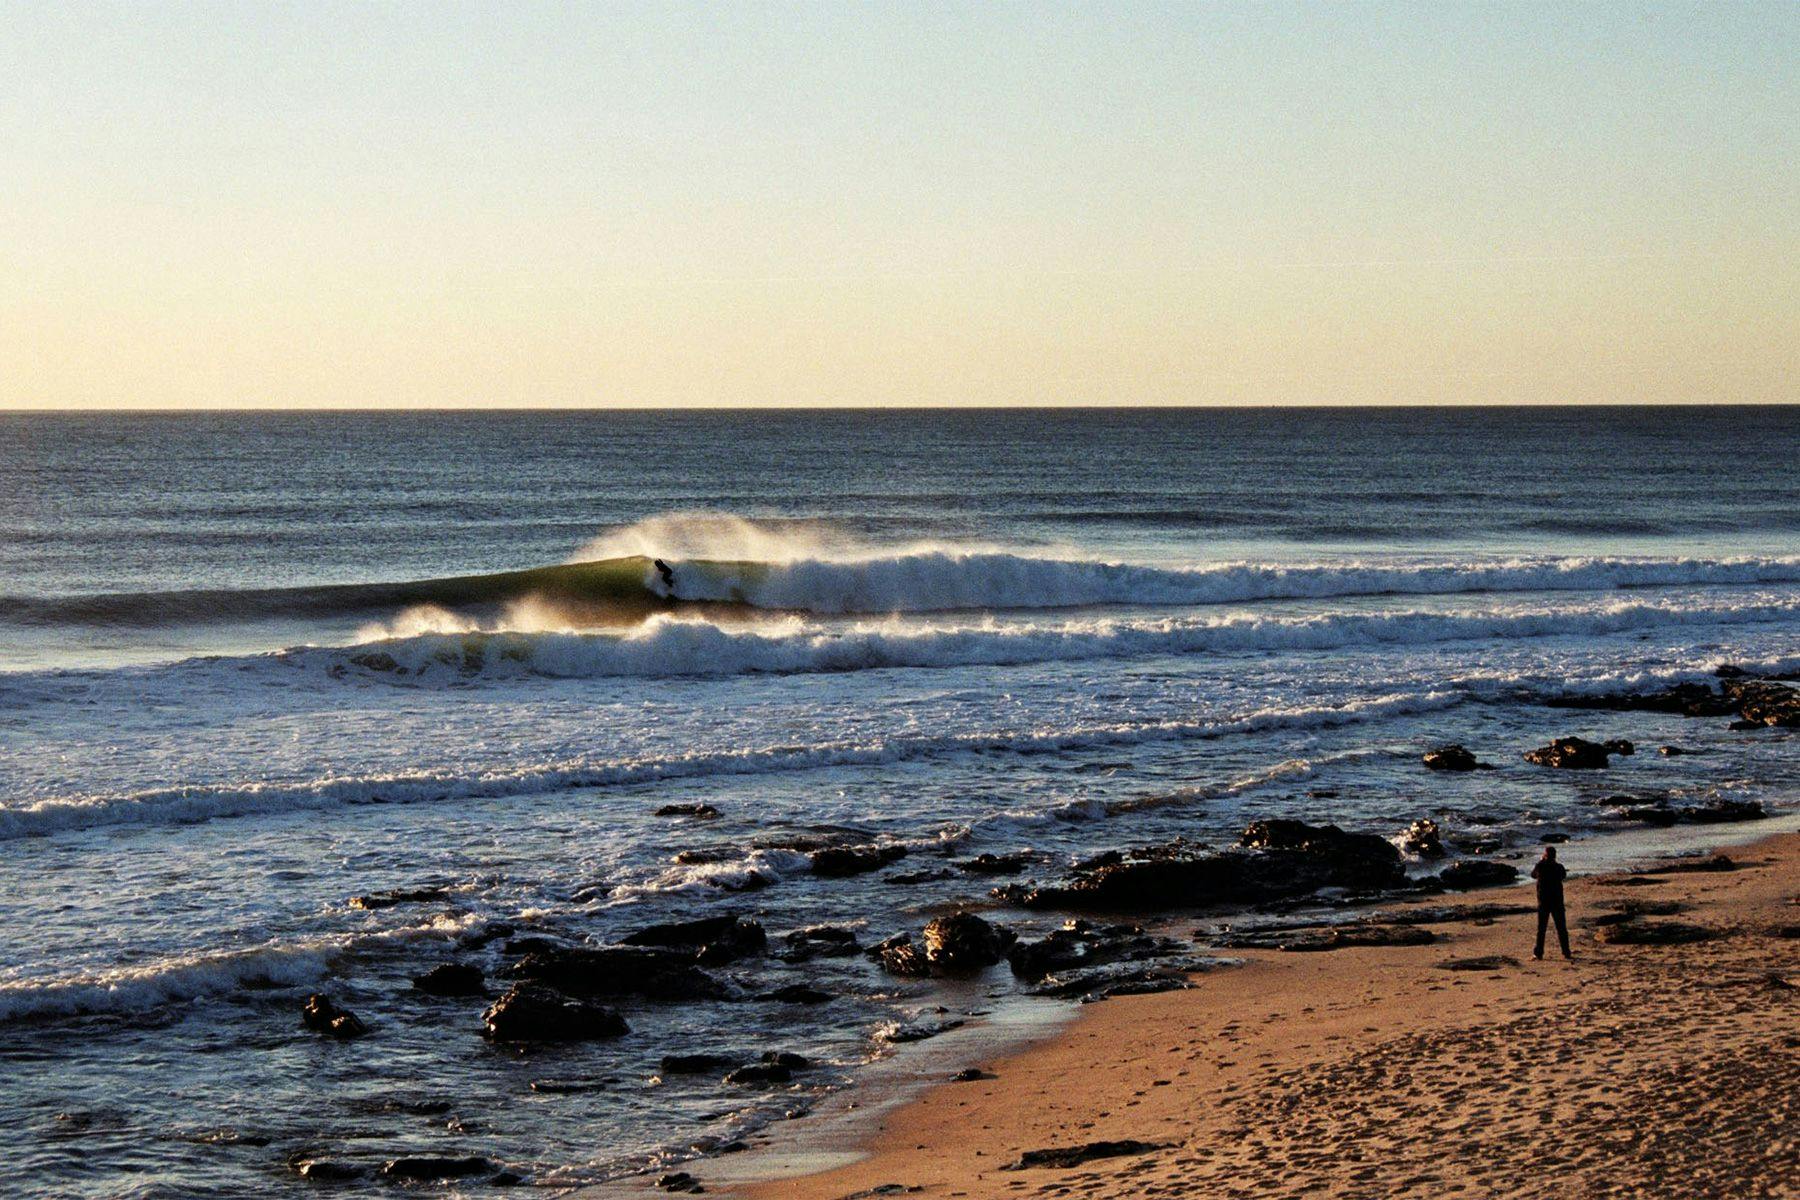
{"x":518,"y":204}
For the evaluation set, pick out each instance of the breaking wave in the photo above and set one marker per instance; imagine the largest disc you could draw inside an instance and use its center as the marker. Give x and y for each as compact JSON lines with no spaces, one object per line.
{"x":667,"y":647}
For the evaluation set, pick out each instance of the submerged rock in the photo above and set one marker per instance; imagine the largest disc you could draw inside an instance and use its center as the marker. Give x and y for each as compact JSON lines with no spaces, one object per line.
{"x":533,"y":1013}
{"x":1571,"y":754}
{"x":702,"y":812}
{"x":797,"y":993}
{"x":654,"y":973}
{"x":818,"y":941}
{"x":393,"y":896}
{"x":713,"y":940}
{"x":451,"y":979}
{"x":322,"y":1016}
{"x":698,"y":1064}
{"x":837,"y":862}
{"x":422,"y":1168}
{"x":997,"y":864}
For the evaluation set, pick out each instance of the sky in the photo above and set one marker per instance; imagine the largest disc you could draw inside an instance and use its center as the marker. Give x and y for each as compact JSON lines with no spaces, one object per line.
{"x":521,"y":204}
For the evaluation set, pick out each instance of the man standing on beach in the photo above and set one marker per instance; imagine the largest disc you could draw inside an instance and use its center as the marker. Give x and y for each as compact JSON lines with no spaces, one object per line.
{"x":1549,"y":875}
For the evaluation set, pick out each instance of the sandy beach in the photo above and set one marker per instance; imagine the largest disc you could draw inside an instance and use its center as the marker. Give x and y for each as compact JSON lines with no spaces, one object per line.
{"x":1635,"y":1070}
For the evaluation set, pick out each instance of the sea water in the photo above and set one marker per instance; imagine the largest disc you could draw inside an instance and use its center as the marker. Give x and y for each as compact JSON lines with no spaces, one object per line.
{"x":254,"y":665}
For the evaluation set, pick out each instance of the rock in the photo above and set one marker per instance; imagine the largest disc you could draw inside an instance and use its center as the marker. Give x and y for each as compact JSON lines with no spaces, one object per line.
{"x":1553,"y":839}
{"x":927,"y":875}
{"x":1122,"y":979}
{"x":1686,"y":699}
{"x":377,"y":660}
{"x":1451,"y":758}
{"x":969,"y":1075}
{"x":697,"y":1064}
{"x":1276,"y":859}
{"x":905,"y":959}
{"x":700,"y":856}
{"x":1743,"y":725}
{"x":679,"y":1181}
{"x":390,"y":898}
{"x":1063,"y":1157}
{"x":321,"y":1170}
{"x":1640,"y":932}
{"x":901,"y":1034}
{"x":530,"y":1012}
{"x":656,"y":974}
{"x":964,"y":942}
{"x":818,"y":941}
{"x":322,"y":1016}
{"x":1486,"y":962}
{"x":1672,"y":751}
{"x":700,"y":812}
{"x":1717,"y":812}
{"x":760,"y":1074}
{"x":1570,"y":754}
{"x":837,"y":862}
{"x":798,"y":993}
{"x":1618,"y":746}
{"x":1763,"y":703}
{"x":420,"y":1168}
{"x":451,"y":979}
{"x":997,"y":864}
{"x":1466,"y":874}
{"x":1424,"y":838}
{"x":1079,"y":944}
{"x":714,"y":939}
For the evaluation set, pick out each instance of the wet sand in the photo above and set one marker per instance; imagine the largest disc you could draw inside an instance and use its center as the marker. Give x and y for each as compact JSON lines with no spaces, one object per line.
{"x":1636,"y":1070}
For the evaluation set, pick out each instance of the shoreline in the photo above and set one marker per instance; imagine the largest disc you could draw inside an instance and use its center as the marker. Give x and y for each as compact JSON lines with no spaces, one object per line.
{"x":902,"y":1123}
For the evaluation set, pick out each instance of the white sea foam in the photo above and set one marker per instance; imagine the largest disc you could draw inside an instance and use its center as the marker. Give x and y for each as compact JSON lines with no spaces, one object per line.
{"x":207,"y":973}
{"x":669,"y":646}
{"x":185,"y":804}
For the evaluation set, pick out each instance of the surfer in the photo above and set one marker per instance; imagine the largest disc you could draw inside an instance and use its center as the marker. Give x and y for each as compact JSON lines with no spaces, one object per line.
{"x":668,"y":577}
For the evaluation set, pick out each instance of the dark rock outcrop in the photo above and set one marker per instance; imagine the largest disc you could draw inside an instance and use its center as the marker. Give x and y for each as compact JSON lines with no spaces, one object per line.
{"x":322,"y":1016}
{"x":1079,"y":944}
{"x":654,"y":973}
{"x":1276,"y":859}
{"x":700,"y":812}
{"x":533,"y":1013}
{"x":1763,"y":703}
{"x":837,"y":862}
{"x":902,"y":957}
{"x":1570,"y":754}
{"x":997,"y":864}
{"x":1424,"y":838}
{"x":713,"y":939}
{"x":451,"y":979}
{"x":393,"y":896}
{"x":1469,"y":873}
{"x":964,"y":942}
{"x":1453,"y":758}
{"x":1713,"y":812}
{"x":818,"y":941}
{"x":423,"y":1168}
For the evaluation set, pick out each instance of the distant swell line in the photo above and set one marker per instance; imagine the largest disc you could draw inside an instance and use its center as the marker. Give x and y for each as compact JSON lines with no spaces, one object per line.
{"x":192,"y":804}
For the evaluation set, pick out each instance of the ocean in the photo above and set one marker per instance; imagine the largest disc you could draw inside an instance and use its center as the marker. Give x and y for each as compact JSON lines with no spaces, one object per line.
{"x":254,"y":665}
